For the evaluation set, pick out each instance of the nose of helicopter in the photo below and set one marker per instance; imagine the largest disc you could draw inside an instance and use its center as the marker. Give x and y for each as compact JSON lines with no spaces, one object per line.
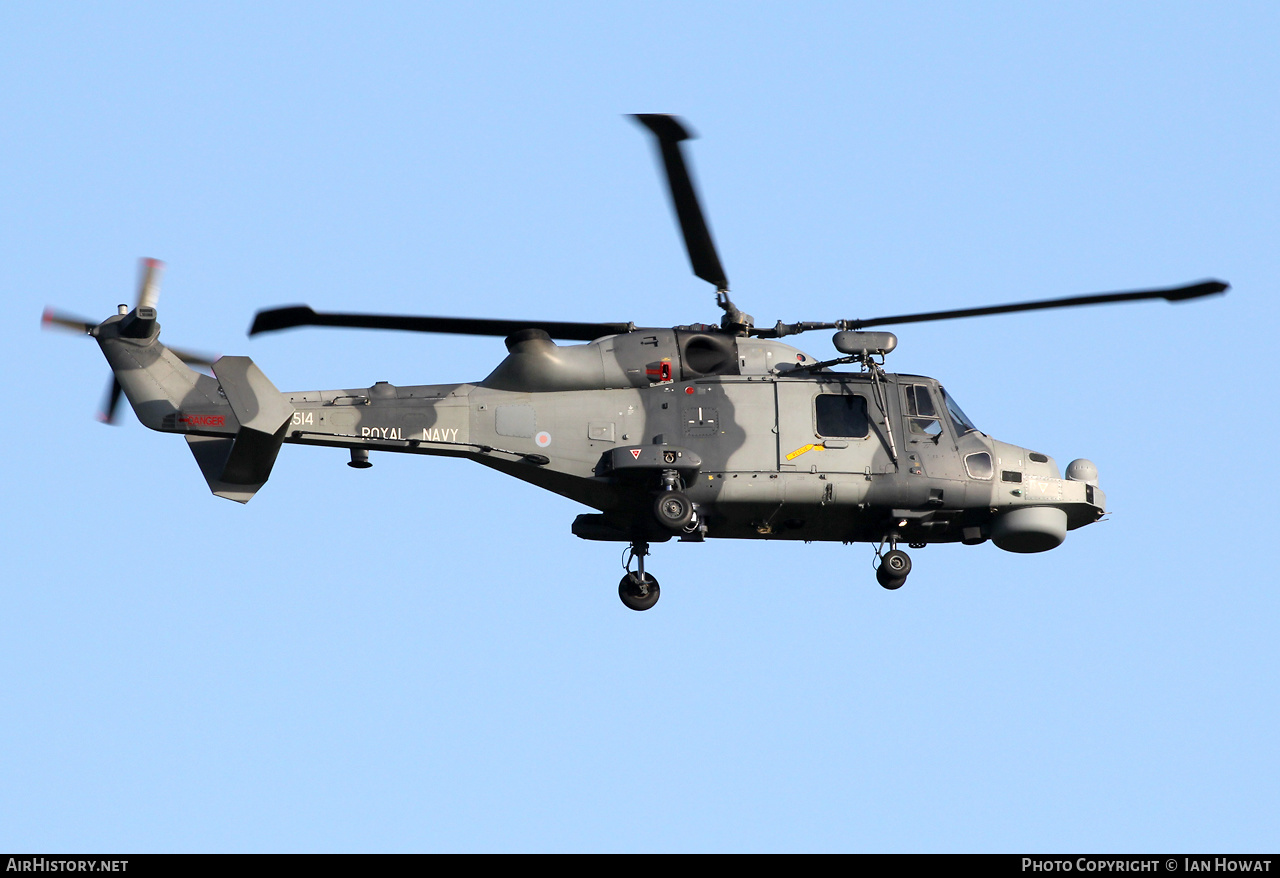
{"x":1036,"y":504}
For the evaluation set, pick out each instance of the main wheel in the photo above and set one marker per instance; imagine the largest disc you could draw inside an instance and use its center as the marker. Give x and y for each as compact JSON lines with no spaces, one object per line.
{"x":893,"y":569}
{"x":673,"y":509}
{"x":637,"y":593}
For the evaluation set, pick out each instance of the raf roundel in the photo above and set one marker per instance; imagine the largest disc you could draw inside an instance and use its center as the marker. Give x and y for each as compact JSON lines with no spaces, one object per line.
{"x":543,"y":439}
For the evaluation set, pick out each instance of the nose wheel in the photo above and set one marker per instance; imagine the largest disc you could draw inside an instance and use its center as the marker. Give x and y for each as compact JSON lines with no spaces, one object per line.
{"x":638,"y":590}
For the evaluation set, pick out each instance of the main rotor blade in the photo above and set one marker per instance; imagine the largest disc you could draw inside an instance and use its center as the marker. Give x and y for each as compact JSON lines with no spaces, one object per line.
{"x":1172,"y":294}
{"x":697,"y":237}
{"x":274,"y":319}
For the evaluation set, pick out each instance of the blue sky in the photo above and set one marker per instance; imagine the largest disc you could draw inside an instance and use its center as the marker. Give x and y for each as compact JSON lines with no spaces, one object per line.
{"x":420,"y":656}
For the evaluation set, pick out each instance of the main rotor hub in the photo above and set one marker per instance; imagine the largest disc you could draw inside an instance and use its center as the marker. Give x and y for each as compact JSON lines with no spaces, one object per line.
{"x":734,"y":321}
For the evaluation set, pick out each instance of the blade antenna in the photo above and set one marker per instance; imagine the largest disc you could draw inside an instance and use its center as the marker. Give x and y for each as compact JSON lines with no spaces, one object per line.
{"x":669,"y":132}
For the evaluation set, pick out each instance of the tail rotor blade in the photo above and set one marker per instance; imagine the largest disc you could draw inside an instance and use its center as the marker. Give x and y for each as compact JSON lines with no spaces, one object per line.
{"x":150,"y":272}
{"x":54,"y":319}
{"x":111,"y":403}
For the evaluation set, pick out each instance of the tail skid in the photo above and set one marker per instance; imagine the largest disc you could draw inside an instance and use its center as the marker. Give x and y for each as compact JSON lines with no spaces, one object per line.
{"x":234,"y":423}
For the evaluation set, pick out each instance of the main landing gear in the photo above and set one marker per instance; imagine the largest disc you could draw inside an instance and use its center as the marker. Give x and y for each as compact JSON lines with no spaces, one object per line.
{"x":674,"y":510}
{"x":672,"y":507}
{"x":638,"y":590}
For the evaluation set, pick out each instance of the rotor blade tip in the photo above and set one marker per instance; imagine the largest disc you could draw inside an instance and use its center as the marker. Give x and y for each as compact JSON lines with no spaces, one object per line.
{"x":665,"y":126}
{"x":1196,"y":291}
{"x":272,"y":319}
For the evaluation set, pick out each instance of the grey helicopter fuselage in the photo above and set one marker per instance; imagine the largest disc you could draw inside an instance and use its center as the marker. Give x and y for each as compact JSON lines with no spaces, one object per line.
{"x":695,"y":432}
{"x":765,"y":442}
{"x":690,"y":433}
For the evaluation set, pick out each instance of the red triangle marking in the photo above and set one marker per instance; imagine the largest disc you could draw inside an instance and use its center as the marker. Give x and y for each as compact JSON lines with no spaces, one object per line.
{"x":635,"y":452}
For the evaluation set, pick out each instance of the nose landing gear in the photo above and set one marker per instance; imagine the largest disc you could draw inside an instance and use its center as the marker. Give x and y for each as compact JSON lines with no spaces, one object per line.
{"x":638,"y":590}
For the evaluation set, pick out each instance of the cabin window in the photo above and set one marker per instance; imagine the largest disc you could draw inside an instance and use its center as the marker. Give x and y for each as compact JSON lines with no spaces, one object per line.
{"x":842,"y":416}
{"x":922,"y":417}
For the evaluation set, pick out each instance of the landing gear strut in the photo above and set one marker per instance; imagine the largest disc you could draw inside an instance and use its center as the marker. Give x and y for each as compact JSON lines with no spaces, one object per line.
{"x":638,"y":590}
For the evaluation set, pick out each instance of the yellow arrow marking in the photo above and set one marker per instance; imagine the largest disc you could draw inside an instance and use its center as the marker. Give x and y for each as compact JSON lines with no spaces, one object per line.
{"x":799,"y":451}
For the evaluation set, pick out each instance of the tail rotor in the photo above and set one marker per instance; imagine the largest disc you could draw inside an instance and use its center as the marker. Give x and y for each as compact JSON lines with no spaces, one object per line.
{"x":150,"y":271}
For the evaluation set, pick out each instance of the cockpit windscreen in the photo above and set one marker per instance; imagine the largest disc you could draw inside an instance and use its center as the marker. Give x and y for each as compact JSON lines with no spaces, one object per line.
{"x":958,"y":417}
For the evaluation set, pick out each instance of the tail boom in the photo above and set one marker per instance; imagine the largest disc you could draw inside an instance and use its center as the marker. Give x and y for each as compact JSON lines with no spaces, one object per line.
{"x":234,"y":422}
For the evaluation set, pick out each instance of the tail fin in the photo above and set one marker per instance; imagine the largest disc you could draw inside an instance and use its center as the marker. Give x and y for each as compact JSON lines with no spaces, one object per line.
{"x":234,"y":422}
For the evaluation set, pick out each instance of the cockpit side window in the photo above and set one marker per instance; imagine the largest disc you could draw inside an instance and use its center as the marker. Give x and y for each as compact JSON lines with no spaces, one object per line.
{"x":922,"y":417}
{"x":841,"y":415}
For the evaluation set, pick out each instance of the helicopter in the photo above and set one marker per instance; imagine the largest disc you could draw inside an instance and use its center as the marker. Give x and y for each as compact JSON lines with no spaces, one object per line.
{"x":691,"y":432}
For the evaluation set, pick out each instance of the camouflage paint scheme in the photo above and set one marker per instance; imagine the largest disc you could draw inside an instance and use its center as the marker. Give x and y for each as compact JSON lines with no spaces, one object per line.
{"x":732,"y":419}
